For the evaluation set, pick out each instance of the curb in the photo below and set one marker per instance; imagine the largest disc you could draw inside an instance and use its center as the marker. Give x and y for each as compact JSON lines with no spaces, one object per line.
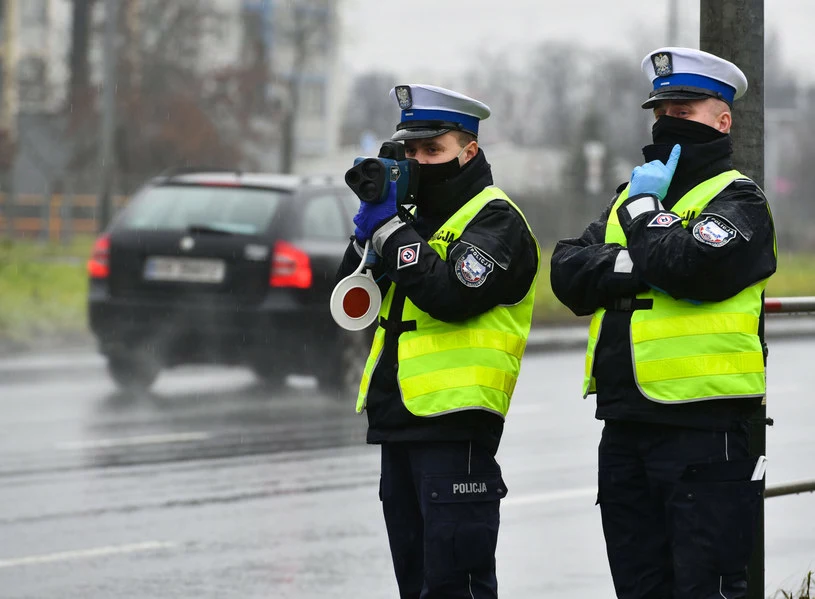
{"x":79,"y":359}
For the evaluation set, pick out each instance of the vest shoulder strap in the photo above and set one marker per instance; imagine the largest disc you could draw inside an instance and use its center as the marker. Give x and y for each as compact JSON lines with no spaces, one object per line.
{"x":705,"y":191}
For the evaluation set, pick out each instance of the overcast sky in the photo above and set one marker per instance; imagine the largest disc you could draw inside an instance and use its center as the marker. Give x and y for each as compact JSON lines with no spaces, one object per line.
{"x":420,"y":39}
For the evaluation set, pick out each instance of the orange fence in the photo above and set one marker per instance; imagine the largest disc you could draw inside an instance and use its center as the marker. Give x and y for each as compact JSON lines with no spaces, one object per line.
{"x":55,"y":217}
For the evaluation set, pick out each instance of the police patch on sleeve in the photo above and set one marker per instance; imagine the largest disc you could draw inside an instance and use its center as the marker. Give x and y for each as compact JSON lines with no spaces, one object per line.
{"x":473,"y":267}
{"x":714,"y":231}
{"x":664,"y":219}
{"x":408,"y":255}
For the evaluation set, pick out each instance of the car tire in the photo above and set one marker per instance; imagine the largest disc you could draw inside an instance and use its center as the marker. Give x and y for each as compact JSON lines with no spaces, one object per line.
{"x":133,"y":372}
{"x":341,"y":374}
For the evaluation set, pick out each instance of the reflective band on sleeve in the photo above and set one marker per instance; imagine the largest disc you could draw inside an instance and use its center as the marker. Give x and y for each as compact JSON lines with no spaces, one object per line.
{"x":623,"y":262}
{"x":643,"y":205}
{"x":382,"y":233}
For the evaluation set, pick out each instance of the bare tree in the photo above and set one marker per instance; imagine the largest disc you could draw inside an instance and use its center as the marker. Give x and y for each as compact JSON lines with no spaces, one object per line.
{"x":536,"y":103}
{"x":369,"y":108}
{"x":559,"y":83}
{"x":308,"y":32}
{"x":506,"y":92}
{"x":166,"y":109}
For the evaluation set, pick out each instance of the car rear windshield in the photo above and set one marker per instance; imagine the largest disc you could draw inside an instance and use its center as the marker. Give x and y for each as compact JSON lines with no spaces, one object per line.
{"x":237,"y":210}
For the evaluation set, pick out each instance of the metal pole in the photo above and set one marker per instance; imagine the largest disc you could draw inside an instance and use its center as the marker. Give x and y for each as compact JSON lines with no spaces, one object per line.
{"x":789,"y":304}
{"x":107,"y":161}
{"x":804,"y":486}
{"x":9,"y":203}
{"x":45,"y":211}
{"x":734,"y":30}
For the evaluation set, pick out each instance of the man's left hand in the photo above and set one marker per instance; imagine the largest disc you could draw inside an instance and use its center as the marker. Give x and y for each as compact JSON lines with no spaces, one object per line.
{"x":371,"y":216}
{"x":654,"y":178}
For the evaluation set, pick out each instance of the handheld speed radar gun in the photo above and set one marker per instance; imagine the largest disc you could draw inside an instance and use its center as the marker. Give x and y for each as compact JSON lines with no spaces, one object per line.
{"x":356,"y":300}
{"x":370,"y":178}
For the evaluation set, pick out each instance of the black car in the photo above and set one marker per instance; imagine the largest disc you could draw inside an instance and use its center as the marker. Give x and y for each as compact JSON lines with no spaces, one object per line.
{"x":226,"y":268}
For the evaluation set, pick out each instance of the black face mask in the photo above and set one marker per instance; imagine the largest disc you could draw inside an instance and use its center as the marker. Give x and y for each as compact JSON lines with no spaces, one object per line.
{"x":671,"y":130}
{"x":434,"y":174}
{"x":433,"y":193}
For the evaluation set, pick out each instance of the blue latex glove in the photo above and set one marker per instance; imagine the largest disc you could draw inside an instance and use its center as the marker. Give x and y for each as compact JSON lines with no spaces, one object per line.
{"x":370,"y":216}
{"x":653,"y":177}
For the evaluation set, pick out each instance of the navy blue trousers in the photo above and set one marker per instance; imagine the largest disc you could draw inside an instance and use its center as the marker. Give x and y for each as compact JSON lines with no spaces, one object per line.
{"x":679,"y":510}
{"x":441,"y":505}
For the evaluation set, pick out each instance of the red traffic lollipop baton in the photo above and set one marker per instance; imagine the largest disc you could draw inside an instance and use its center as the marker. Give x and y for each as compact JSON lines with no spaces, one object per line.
{"x":356,"y":300}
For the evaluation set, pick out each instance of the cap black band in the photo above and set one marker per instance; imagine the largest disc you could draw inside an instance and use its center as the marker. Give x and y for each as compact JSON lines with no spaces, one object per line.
{"x":701,"y":91}
{"x":449,"y":125}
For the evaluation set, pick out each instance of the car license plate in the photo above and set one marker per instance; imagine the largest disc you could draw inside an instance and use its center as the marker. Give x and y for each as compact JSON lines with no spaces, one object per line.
{"x":187,"y":270}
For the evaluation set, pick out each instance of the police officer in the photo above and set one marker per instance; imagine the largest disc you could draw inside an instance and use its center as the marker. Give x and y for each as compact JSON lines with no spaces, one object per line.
{"x":458,"y":283}
{"x":674,"y":273}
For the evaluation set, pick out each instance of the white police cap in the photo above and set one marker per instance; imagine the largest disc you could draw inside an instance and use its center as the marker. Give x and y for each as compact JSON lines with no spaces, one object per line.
{"x":428,"y":111}
{"x":690,"y":74}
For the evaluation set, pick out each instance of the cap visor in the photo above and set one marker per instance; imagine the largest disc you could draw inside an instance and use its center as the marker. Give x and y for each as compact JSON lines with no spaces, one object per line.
{"x":403,"y":134}
{"x":675,"y":95}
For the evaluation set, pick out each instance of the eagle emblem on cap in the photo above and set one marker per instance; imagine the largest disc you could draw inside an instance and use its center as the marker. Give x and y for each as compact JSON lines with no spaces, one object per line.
{"x":663,"y":65}
{"x":404,"y":97}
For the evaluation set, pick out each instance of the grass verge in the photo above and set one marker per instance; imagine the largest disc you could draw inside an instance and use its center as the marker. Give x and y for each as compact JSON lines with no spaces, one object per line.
{"x":43,"y":288}
{"x":803,"y":592}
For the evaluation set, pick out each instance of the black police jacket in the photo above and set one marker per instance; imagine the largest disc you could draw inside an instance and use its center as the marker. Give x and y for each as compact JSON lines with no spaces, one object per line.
{"x":432,"y":285}
{"x":676,"y":261}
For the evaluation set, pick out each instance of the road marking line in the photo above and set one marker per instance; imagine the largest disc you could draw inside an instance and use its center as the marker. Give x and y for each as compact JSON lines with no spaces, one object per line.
{"x":50,"y":363}
{"x":85,"y":554}
{"x":549,"y":497}
{"x":131,"y":441}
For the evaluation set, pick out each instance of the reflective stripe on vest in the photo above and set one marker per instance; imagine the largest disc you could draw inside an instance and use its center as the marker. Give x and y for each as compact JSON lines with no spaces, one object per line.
{"x":450,"y":366}
{"x":690,"y":351}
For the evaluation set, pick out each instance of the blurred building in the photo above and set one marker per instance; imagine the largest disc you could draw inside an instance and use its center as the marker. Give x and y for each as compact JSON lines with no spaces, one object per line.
{"x":40,"y":54}
{"x":294,"y":47}
{"x":34,"y":49}
{"x":297,"y":43}
{"x":32,"y":53}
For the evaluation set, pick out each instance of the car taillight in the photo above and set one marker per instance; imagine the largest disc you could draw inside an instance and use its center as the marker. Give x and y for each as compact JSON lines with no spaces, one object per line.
{"x":99,"y":265}
{"x":291,"y":267}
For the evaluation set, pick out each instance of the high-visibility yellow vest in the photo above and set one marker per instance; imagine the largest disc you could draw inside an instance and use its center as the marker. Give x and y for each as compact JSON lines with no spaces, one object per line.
{"x":450,"y":366}
{"x":690,"y":351}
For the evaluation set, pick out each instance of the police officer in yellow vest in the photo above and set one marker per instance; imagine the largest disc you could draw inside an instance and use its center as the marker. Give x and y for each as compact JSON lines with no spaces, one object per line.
{"x":674,"y":273}
{"x":458,"y":284}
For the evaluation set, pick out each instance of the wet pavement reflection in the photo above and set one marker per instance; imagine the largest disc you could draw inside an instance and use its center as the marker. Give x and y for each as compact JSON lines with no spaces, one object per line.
{"x":214,"y":485}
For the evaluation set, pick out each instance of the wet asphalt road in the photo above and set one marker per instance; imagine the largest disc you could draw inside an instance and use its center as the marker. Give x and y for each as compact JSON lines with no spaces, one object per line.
{"x":213,"y":486}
